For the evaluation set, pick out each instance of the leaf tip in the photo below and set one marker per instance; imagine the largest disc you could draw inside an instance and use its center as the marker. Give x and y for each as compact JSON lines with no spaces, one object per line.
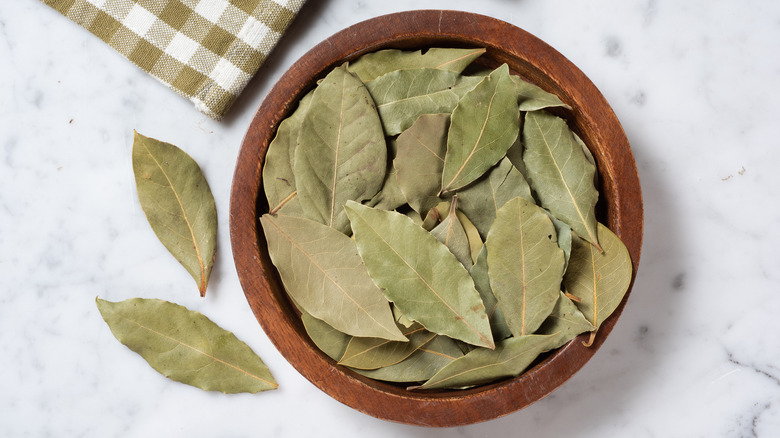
{"x":100,"y":303}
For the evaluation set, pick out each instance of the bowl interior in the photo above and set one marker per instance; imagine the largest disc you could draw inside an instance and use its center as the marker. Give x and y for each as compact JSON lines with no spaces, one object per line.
{"x":619,"y":207}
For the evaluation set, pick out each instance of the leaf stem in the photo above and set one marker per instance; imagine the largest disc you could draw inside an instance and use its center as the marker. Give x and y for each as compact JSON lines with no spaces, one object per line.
{"x":284,"y":201}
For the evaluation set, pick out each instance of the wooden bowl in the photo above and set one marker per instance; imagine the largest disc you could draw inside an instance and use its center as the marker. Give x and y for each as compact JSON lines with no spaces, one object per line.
{"x":620,"y":207}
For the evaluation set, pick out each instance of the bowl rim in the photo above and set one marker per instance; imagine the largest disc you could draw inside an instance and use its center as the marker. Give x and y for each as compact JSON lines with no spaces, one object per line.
{"x":539,"y":63}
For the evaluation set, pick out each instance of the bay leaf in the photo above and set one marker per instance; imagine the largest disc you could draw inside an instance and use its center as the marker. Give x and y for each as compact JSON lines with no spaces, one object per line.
{"x":421,"y":365}
{"x":564,"y":323}
{"x":372,"y":65}
{"x":525,"y":265}
{"x":400,"y":318}
{"x":390,"y":195}
{"x":589,"y":156}
{"x":515,"y":152}
{"x":331,"y":341}
{"x":510,"y":358}
{"x":472,"y":233}
{"x":403,"y":95}
{"x":533,"y":98}
{"x":479,"y":273}
{"x":185,"y":346}
{"x":178,"y":204}
{"x":598,"y":279}
{"x":341,"y":151}
{"x":415,"y":217}
{"x":481,"y":200}
{"x":278,"y":176}
{"x":560,"y":174}
{"x":419,"y":275}
{"x":431,"y":220}
{"x":373,"y":353}
{"x":420,"y":159}
{"x":484,"y":124}
{"x":323,"y":272}
{"x":451,"y":233}
{"x":563,"y":238}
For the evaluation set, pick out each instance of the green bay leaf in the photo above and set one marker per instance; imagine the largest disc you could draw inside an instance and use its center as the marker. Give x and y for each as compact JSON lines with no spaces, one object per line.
{"x":525,"y":265}
{"x":510,"y":358}
{"x":341,"y":153}
{"x":599,"y":280}
{"x":564,"y":323}
{"x":420,"y":159}
{"x":331,"y":341}
{"x":372,"y":65}
{"x":533,"y":98}
{"x":373,"y":353}
{"x":472,"y":233}
{"x":479,"y":273}
{"x":390,"y":195}
{"x":278,"y":175}
{"x":481,"y":200}
{"x":515,"y":152}
{"x":453,"y":235}
{"x":484,"y":124}
{"x":403,"y":95}
{"x":178,"y":204}
{"x":185,"y":346}
{"x":421,"y":365}
{"x":559,"y":173}
{"x":323,"y":272}
{"x":419,"y":275}
{"x":563,"y":238}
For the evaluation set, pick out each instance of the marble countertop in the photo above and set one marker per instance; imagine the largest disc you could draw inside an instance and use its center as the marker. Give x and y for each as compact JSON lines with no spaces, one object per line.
{"x":693,"y":82}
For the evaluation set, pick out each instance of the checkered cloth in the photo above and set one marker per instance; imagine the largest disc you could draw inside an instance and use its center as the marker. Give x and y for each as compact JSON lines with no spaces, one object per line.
{"x":205,"y":50}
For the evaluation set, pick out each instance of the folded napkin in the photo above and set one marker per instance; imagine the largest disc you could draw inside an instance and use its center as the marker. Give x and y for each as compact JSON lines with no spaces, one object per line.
{"x":205,"y":50}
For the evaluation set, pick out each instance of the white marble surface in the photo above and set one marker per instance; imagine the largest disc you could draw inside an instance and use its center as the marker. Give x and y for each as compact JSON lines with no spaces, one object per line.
{"x":695,"y":354}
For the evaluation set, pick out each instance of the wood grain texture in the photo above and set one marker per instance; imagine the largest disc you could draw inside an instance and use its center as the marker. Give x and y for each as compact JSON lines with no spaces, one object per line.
{"x":620,"y":207}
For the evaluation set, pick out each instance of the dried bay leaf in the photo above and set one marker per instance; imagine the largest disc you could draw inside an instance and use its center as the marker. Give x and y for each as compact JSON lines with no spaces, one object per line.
{"x":341,"y":151}
{"x":451,"y":233}
{"x":484,"y":124}
{"x":481,"y":200}
{"x":479,"y":273}
{"x":404,"y":95}
{"x":178,"y":204}
{"x":510,"y":358}
{"x":598,"y":279}
{"x":559,"y":173}
{"x":564,"y":238}
{"x":472,"y":233}
{"x":400,"y":318}
{"x":390,"y":195}
{"x":533,"y":98}
{"x":322,"y":271}
{"x":515,"y":152}
{"x":419,"y":275}
{"x":372,"y":65}
{"x":525,"y":265}
{"x":373,"y":353}
{"x":185,"y":346}
{"x":589,"y":156}
{"x":421,"y":365}
{"x":331,"y":341}
{"x":420,"y":160}
{"x":432,"y":218}
{"x":565,"y":322}
{"x":278,"y":176}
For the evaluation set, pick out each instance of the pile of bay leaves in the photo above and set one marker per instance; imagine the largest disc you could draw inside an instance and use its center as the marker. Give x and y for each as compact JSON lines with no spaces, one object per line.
{"x":434,"y":225}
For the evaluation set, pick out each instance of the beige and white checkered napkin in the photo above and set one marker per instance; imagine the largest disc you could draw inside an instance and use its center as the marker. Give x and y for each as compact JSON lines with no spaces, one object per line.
{"x":206,"y":50}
